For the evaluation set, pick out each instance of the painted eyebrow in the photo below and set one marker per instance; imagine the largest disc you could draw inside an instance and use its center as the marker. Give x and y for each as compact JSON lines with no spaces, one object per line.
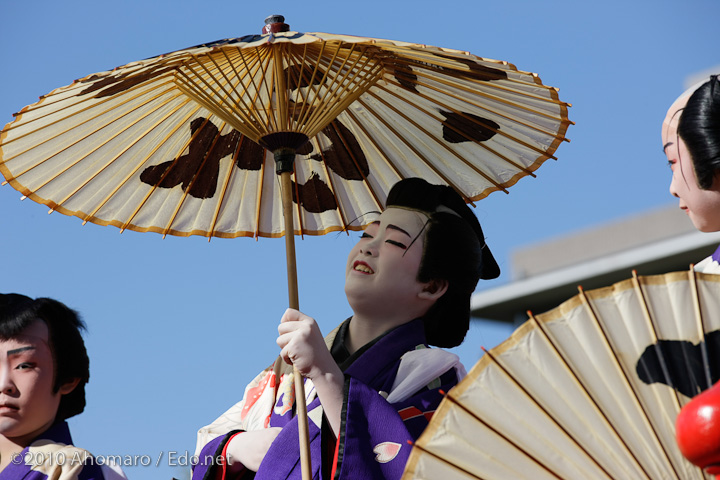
{"x":395,"y":227}
{"x":667,"y":145}
{"x":19,"y":350}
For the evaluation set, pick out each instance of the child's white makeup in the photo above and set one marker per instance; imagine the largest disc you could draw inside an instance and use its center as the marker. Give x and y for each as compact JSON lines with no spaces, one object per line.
{"x":702,"y":206}
{"x":384,"y":264}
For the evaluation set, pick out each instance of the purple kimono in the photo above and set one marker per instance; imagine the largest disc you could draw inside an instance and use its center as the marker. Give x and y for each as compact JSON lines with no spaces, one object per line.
{"x":374,"y":433}
{"x":52,"y":456}
{"x":710,"y":264}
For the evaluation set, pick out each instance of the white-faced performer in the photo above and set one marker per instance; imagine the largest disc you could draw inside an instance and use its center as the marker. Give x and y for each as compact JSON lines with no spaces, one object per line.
{"x":374,"y":382}
{"x":691,"y":140}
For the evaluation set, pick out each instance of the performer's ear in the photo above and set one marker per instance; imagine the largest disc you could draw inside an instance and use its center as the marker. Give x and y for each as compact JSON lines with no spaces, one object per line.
{"x":434,"y":289}
{"x":69,"y":386}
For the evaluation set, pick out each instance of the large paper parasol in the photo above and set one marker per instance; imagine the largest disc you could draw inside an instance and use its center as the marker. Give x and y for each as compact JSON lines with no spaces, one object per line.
{"x":189,"y":143}
{"x":587,"y":390}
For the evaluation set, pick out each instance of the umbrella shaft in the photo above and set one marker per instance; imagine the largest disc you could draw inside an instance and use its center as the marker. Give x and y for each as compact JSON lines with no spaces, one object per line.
{"x":286,"y":185}
{"x":293,"y":301}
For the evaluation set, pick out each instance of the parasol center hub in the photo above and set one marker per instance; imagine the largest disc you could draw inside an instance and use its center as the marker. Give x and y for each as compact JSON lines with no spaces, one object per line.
{"x":284,"y":146}
{"x":284,"y":160}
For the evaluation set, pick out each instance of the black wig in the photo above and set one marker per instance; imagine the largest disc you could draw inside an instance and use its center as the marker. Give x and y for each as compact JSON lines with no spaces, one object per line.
{"x":699,"y":127}
{"x":17,"y":312}
{"x":454,"y":250}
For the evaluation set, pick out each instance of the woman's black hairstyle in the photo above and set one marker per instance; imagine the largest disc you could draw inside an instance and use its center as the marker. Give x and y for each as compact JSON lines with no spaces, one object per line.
{"x":454,"y":250}
{"x":699,"y":127}
{"x":17,"y":312}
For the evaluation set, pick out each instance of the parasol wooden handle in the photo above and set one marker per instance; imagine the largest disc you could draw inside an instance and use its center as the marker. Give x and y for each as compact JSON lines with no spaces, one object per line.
{"x":286,"y":191}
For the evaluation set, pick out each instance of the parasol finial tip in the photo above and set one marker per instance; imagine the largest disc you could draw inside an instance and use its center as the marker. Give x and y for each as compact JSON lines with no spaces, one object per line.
{"x":275,"y":24}
{"x":274,"y":19}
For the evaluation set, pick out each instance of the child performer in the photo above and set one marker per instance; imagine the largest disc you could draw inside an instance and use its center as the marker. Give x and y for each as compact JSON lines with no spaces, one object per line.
{"x":373,"y":383}
{"x":43,"y":371}
{"x":691,"y":140}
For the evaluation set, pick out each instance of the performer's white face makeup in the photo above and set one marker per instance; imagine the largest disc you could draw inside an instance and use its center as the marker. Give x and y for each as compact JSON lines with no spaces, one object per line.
{"x":28,"y":404}
{"x":383,"y":266}
{"x":702,"y":206}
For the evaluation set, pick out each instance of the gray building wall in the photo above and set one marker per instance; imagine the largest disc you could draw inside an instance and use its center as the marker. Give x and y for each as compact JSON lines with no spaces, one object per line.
{"x":545,"y":274}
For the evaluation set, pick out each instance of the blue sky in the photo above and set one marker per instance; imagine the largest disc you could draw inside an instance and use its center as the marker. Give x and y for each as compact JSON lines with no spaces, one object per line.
{"x":178,"y":326}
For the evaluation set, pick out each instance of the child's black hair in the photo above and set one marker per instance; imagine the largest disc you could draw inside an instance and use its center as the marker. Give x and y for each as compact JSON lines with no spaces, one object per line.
{"x":699,"y":128}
